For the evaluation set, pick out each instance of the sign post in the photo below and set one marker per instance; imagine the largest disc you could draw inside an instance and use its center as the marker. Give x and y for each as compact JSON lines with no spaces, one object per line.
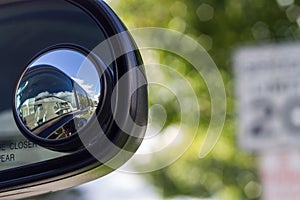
{"x":280,"y":174}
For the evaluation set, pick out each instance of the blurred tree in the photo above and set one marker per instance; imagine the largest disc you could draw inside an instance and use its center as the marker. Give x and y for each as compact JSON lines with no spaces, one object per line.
{"x":219,"y":26}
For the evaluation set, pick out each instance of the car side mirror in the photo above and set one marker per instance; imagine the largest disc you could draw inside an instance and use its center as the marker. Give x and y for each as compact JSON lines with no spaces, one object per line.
{"x":65,"y":118}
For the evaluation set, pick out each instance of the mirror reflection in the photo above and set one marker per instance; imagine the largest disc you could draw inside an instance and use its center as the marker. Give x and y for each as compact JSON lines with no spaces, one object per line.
{"x":58,"y":94}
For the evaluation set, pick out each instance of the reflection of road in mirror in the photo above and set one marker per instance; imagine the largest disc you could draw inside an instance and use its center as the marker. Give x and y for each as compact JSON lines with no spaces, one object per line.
{"x":53,"y":105}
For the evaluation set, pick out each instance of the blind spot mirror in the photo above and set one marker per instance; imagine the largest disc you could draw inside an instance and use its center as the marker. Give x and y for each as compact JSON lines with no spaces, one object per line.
{"x":57,"y":94}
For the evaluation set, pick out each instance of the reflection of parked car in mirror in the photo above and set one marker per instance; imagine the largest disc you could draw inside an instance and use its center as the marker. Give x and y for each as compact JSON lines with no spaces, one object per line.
{"x":48,"y":99}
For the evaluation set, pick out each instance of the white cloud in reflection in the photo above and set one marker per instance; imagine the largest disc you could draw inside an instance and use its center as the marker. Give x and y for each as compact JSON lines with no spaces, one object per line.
{"x":89,"y":88}
{"x":96,"y":97}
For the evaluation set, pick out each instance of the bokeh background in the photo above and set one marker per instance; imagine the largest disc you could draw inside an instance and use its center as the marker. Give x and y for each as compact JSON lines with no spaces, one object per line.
{"x":220,"y":26}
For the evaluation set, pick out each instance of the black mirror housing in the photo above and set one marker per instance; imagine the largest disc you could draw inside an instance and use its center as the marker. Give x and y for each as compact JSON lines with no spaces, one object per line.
{"x":50,"y":141}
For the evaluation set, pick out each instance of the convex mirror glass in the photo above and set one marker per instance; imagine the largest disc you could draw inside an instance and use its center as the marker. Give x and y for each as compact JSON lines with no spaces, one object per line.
{"x":58,"y":94}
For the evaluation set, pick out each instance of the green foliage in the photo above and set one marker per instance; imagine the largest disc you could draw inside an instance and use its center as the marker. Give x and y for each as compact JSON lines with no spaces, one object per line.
{"x":220,"y":26}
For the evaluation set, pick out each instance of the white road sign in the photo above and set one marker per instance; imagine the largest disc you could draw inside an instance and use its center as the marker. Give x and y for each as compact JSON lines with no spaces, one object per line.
{"x":267,"y":80}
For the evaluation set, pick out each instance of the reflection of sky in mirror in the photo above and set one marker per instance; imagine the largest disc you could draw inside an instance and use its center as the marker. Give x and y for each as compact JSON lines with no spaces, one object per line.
{"x":75,"y":65}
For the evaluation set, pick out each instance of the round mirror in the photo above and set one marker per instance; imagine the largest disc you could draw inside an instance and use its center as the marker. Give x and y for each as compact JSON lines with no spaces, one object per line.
{"x":58,"y":94}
